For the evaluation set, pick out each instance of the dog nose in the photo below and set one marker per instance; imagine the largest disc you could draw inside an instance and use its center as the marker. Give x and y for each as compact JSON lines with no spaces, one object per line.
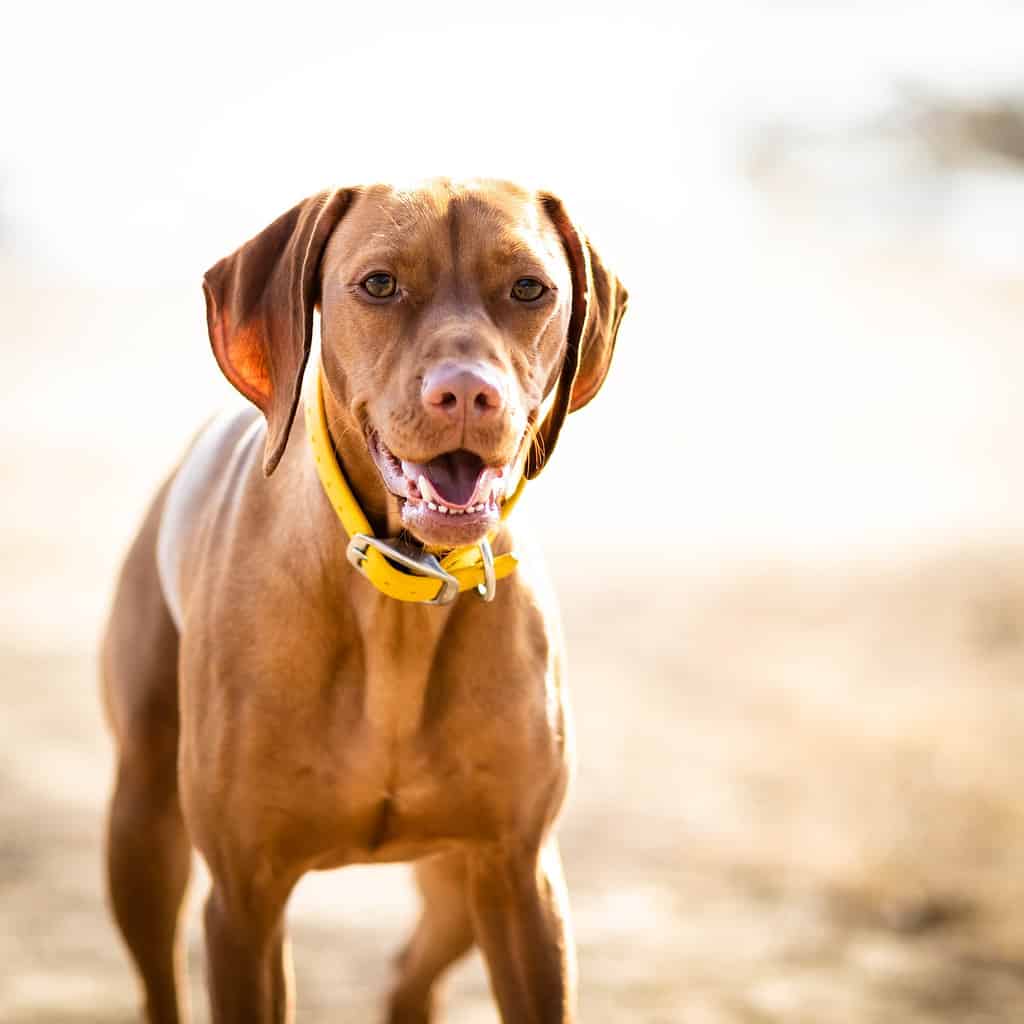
{"x":457,"y":391}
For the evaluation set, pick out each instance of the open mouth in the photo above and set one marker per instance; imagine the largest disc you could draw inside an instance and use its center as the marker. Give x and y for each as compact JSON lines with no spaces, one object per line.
{"x":454,"y":498}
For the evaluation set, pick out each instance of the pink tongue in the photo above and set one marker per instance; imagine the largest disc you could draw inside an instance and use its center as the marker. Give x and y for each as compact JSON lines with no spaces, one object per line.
{"x":454,"y":475}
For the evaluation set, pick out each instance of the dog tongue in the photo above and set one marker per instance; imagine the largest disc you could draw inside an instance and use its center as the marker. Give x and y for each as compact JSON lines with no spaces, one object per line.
{"x":454,"y":475}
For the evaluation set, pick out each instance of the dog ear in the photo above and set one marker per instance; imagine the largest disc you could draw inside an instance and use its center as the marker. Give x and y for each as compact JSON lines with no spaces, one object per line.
{"x":598,"y":304}
{"x":259,"y":310}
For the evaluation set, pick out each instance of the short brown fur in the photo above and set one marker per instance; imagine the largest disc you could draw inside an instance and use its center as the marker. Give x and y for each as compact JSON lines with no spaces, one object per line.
{"x":300,"y":720}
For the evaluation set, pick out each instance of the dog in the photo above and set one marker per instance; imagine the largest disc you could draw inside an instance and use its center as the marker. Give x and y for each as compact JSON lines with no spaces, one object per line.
{"x":323,"y":649}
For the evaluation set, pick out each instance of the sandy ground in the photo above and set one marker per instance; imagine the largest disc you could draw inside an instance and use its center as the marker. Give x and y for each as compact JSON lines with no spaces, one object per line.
{"x":806,"y":807}
{"x":800,"y":786}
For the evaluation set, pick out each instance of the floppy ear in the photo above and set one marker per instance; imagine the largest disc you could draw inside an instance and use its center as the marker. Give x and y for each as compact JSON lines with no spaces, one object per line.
{"x":598,"y":304}
{"x":259,"y":310}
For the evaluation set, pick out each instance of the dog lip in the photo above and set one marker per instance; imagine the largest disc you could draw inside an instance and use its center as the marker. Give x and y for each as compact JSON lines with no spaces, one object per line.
{"x":457,"y":482}
{"x":440,"y":523}
{"x":443,"y":524}
{"x":388,"y":465}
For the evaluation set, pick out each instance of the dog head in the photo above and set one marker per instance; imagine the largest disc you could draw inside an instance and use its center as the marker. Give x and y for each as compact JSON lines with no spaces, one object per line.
{"x":460,"y":324}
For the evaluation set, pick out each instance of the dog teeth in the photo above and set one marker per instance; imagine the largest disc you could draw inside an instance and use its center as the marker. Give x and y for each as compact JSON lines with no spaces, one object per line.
{"x":468,"y":510}
{"x":426,"y":488}
{"x":446,"y":511}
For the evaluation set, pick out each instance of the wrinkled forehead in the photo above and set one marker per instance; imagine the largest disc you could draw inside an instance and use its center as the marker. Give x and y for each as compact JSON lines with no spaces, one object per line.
{"x":439,"y":224}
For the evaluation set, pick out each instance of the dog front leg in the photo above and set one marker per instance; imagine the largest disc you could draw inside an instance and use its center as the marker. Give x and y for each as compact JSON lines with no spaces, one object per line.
{"x":521,"y":919}
{"x":248,"y":956}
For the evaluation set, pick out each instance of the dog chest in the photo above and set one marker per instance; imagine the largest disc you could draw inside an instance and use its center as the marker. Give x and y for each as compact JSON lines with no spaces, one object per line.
{"x":459,"y":779}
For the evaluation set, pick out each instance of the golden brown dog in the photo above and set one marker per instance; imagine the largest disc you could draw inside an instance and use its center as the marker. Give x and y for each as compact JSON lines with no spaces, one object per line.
{"x":276,"y":711}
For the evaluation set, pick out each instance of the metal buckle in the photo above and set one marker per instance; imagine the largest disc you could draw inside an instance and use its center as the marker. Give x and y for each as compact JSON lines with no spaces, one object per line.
{"x":416,"y":563}
{"x":490,"y":584}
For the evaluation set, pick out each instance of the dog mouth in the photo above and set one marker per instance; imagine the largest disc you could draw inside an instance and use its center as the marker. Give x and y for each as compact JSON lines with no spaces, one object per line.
{"x":453,"y":498}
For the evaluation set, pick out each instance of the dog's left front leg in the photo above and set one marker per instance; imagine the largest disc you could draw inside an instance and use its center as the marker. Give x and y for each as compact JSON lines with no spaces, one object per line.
{"x":521,"y":919}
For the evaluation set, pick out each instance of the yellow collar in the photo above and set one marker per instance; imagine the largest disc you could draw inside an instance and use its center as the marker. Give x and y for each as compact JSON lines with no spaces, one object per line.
{"x":394,"y":567}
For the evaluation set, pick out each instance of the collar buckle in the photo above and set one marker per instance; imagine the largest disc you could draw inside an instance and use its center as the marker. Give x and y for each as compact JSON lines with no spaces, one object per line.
{"x":488,"y":588}
{"x":405,"y":559}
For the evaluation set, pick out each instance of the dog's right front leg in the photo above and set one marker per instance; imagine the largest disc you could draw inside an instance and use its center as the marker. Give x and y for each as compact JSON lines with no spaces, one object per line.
{"x":249,"y":973}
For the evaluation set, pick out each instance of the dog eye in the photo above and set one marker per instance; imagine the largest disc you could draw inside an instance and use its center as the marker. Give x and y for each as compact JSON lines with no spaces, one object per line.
{"x":380,"y":285}
{"x":527,"y":289}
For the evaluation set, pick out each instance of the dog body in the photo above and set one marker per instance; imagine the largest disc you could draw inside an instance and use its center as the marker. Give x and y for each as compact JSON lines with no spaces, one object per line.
{"x":276,"y":711}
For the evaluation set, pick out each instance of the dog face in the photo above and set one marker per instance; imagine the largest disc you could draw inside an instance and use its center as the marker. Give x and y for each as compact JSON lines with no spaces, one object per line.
{"x":444,"y":320}
{"x":451,"y":316}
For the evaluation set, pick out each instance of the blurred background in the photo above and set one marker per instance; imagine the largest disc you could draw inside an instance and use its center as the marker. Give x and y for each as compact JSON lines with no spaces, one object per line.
{"x":798,"y":675}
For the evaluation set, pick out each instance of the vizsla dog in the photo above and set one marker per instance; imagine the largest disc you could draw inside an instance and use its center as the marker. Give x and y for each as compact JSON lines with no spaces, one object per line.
{"x":322,"y":650}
